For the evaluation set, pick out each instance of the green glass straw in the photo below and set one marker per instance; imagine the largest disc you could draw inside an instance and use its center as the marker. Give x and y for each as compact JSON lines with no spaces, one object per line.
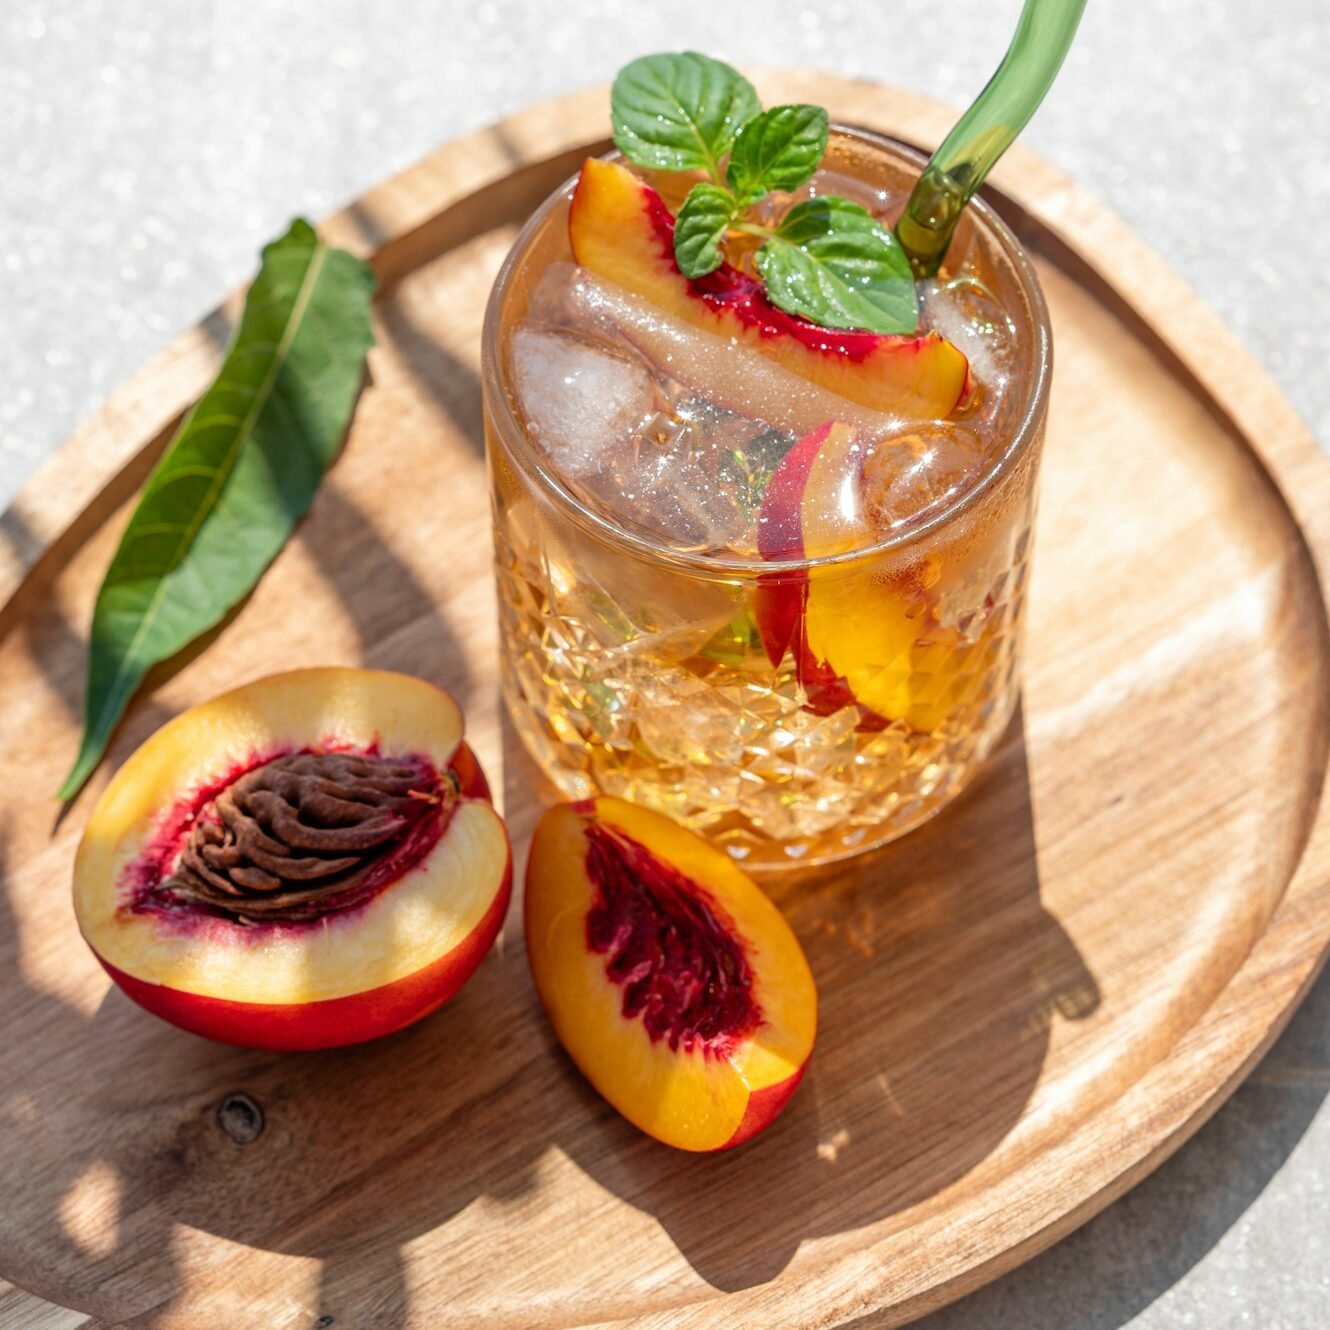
{"x":986,"y":130}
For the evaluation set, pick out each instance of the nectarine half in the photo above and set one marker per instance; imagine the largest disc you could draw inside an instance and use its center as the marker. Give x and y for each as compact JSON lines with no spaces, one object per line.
{"x":674,"y":983}
{"x":310,"y":860}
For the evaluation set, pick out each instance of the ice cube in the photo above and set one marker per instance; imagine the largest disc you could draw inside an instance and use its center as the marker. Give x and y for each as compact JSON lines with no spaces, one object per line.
{"x":910,"y":477}
{"x":678,"y":481}
{"x":629,"y":439}
{"x":880,"y":202}
{"x":581,"y":403}
{"x":972,"y":319}
{"x":560,"y":300}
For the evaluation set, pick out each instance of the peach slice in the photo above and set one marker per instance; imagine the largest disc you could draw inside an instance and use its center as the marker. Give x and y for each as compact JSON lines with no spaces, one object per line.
{"x":809,"y":509}
{"x":673,"y":982}
{"x":307,"y":861}
{"x":881,"y":647}
{"x":620,"y":229}
{"x":858,"y":638}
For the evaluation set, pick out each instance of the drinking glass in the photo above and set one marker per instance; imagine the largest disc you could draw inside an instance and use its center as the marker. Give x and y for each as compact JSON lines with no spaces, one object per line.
{"x":634,"y":667}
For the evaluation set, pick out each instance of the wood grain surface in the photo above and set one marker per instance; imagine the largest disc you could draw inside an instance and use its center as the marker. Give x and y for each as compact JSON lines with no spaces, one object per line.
{"x":1026,"y":1005}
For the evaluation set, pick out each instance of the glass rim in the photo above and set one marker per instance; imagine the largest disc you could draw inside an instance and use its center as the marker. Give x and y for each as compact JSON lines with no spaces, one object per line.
{"x":498,"y":407}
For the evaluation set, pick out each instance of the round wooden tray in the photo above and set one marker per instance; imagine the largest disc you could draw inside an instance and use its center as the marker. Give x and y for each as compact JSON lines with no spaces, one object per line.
{"x":1027,"y":1005}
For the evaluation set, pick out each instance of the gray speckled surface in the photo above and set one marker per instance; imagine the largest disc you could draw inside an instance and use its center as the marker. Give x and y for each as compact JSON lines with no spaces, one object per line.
{"x":149,"y":149}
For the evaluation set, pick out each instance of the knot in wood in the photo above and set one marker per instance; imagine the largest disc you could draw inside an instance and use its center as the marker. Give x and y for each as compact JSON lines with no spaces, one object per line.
{"x":240,"y":1118}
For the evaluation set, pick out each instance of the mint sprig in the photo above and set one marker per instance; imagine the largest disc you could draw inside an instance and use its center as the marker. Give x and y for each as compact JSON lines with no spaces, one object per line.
{"x":828,"y":260}
{"x":700,"y":229}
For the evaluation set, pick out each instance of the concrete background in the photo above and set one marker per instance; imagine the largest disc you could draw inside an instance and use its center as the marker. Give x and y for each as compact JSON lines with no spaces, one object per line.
{"x":149,"y":149}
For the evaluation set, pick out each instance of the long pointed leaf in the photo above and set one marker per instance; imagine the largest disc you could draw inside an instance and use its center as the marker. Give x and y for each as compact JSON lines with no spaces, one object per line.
{"x":241,"y":470}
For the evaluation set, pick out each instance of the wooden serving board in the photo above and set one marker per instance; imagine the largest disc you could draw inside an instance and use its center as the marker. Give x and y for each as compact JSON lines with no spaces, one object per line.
{"x":1026,"y":1005}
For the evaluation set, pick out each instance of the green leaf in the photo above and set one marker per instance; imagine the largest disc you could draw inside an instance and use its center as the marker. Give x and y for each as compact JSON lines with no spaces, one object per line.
{"x":779,"y":149}
{"x":699,"y":229}
{"x":679,"y":112}
{"x":241,"y":470}
{"x":747,"y":471}
{"x":831,"y":262}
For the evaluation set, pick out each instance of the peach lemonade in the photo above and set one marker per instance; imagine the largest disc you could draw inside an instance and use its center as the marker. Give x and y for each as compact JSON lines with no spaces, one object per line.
{"x":762,"y":498}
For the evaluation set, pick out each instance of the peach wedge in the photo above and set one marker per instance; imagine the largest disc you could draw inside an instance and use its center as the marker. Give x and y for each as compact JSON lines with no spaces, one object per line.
{"x":672,"y":981}
{"x":310,"y":860}
{"x":858,"y":638}
{"x":620,"y":229}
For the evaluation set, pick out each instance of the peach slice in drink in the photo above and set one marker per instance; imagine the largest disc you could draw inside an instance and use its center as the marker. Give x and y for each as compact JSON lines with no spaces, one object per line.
{"x":858,"y":637}
{"x":621,"y":230}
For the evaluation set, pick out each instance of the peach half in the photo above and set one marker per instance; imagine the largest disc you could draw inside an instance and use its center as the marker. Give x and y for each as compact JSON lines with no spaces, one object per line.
{"x":673,"y":982}
{"x":621,"y":230}
{"x":858,"y":638}
{"x":307,"y":861}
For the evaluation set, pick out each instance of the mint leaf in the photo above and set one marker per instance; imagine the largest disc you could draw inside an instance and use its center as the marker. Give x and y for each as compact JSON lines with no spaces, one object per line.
{"x":831,"y":262}
{"x":779,"y":149}
{"x":679,"y":112}
{"x":242,"y":468}
{"x":699,"y":229}
{"x":736,"y":643}
{"x":748,"y":470}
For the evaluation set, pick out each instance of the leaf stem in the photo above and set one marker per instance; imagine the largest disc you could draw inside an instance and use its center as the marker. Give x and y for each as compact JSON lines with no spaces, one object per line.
{"x":752,"y":229}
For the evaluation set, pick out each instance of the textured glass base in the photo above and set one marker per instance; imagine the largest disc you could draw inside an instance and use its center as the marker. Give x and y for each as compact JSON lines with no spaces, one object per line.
{"x":729,"y":746}
{"x":750,"y":845}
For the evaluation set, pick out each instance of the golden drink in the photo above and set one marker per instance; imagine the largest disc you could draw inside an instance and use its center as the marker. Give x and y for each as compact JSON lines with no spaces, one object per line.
{"x":732,"y":586}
